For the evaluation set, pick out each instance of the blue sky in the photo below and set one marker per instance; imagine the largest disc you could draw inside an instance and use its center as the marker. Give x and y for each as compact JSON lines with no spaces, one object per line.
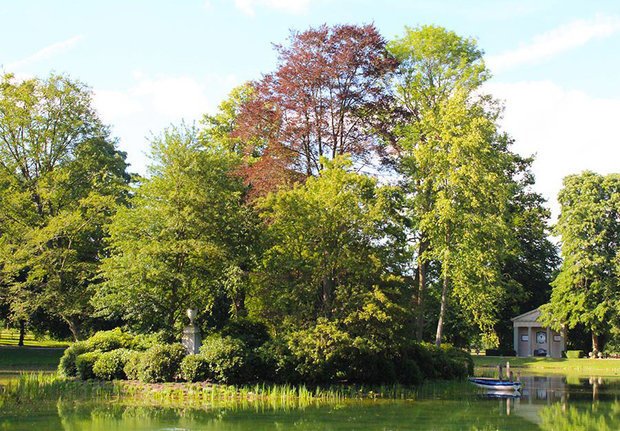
{"x":153,"y":63}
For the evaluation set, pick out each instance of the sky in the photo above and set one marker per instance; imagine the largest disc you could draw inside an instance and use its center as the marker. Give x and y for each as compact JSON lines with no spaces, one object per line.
{"x":150,"y":64}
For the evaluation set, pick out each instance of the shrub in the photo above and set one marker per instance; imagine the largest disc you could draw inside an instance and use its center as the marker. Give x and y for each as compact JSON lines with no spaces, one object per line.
{"x":194,"y":368}
{"x":409,"y":372}
{"x":574,"y":354}
{"x":500,"y":352}
{"x":253,"y":333}
{"x":227,"y":359}
{"x":459,"y":355}
{"x":321,"y":352}
{"x":276,"y":363}
{"x":109,"y":340}
{"x":439,"y":363}
{"x":66,"y":367}
{"x":421,"y":355}
{"x":365,"y":366}
{"x":132,"y":364}
{"x":161,"y":363}
{"x":143,"y":342}
{"x":110,"y":365}
{"x":446,"y":368}
{"x":84,"y":364}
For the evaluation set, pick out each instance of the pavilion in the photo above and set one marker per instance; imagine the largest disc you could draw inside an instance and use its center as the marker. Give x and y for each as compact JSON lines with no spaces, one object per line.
{"x":532,"y":338}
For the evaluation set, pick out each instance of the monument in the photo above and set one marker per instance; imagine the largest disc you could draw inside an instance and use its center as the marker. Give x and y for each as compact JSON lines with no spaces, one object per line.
{"x":192,"y":338}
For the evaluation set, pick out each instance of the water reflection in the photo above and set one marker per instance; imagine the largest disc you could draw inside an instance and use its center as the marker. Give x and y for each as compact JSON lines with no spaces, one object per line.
{"x":555,"y":403}
{"x":567,"y":403}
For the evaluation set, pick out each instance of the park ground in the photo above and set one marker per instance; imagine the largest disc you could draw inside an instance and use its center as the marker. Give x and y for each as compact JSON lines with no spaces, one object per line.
{"x":35,"y":355}
{"x":44,"y":355}
{"x":578,"y":367}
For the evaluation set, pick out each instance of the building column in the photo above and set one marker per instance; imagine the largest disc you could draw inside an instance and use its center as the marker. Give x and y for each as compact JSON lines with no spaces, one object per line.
{"x":549,"y":342}
{"x":563,"y":339}
{"x":515,"y":330}
{"x":530,"y":351}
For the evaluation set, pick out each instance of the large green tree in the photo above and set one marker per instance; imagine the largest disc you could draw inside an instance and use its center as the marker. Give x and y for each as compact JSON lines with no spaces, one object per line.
{"x":62,"y":178}
{"x":586,"y":290}
{"x":529,"y":269}
{"x":329,"y":254}
{"x":185,"y":241}
{"x":455,"y":165}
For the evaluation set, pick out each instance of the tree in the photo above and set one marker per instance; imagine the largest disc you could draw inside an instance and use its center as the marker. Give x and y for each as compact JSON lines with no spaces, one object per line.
{"x":454,"y":165}
{"x":185,"y":240}
{"x":319,"y":103}
{"x":62,"y":180}
{"x":328,"y":253}
{"x":585,"y":290}
{"x":529,"y":268}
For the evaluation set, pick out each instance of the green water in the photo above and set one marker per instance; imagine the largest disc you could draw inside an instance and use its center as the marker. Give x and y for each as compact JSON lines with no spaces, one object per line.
{"x":547,"y":403}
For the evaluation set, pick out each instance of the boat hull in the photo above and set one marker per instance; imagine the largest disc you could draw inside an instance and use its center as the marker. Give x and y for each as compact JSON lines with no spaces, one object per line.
{"x":496,"y":385}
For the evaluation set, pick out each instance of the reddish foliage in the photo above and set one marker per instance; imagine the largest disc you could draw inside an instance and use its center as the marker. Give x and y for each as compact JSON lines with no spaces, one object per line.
{"x":321,"y":101}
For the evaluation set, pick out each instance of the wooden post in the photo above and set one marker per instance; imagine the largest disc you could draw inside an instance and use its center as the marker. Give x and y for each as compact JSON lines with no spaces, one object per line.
{"x":508,"y":373}
{"x":499,"y":372}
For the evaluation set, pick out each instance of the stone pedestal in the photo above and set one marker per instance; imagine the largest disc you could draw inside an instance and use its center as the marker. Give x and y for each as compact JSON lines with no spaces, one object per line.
{"x":192,"y":339}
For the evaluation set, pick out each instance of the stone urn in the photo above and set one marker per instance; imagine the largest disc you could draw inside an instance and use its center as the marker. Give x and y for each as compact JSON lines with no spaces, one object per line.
{"x":191,"y":313}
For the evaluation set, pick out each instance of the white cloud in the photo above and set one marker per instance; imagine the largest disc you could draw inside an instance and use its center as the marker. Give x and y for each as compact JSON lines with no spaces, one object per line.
{"x":249,"y":7}
{"x":153,"y":103}
{"x":564,"y":38}
{"x":46,"y":53}
{"x":112,"y":105}
{"x":569,"y":131}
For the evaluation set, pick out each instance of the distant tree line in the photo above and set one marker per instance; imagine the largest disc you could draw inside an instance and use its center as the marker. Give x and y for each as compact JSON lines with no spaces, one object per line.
{"x":363,"y":188}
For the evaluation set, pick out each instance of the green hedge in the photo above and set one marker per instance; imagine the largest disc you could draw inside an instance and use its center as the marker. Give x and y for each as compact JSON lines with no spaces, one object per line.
{"x":110,"y":365}
{"x":574,"y":354}
{"x":132,"y":365}
{"x":195,"y":368}
{"x":85,"y":363}
{"x":66,"y":366}
{"x":227,"y":359}
{"x":319,"y":355}
{"x":161,"y":363}
{"x":106,"y":341}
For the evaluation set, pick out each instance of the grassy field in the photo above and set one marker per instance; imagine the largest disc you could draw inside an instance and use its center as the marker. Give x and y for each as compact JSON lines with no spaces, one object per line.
{"x":29,"y":358}
{"x":9,"y":337}
{"x":584,"y":367}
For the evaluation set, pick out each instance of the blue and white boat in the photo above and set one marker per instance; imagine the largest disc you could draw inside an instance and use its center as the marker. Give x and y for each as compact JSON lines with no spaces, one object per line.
{"x":495,"y":384}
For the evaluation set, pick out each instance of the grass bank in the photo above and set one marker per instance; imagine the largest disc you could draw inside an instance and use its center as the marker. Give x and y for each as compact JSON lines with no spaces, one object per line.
{"x":581,"y":367}
{"x":29,"y":358}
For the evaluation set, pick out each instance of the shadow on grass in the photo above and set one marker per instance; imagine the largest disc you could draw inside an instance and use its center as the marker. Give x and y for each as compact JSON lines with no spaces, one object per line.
{"x":29,"y":358}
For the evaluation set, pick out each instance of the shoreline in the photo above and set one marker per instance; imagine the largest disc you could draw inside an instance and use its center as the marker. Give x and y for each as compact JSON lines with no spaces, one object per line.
{"x":582,"y":367}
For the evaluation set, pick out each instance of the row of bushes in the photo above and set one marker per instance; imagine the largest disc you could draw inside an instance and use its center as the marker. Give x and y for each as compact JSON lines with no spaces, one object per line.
{"x":241,"y":356}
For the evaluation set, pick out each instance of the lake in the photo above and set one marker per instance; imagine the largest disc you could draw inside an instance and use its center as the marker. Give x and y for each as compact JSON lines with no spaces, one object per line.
{"x":555,"y":403}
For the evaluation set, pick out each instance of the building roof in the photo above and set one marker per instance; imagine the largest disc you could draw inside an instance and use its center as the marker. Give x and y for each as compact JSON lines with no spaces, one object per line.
{"x":530,"y":316}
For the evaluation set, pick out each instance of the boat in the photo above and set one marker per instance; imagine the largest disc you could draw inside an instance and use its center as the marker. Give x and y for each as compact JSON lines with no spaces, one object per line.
{"x":495,"y":384}
{"x":503,"y":395}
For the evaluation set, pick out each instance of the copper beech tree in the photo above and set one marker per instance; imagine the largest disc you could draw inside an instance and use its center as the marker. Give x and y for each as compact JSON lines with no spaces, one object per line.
{"x":323,"y":100}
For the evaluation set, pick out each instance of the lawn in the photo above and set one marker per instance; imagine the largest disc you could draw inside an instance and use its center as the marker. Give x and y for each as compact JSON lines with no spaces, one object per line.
{"x":585,"y":367}
{"x":29,"y":358}
{"x":9,"y":337}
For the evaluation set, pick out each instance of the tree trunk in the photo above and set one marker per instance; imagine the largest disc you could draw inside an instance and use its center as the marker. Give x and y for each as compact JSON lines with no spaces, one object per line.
{"x":442,"y":311}
{"x":22,"y":332}
{"x":74,"y":328}
{"x":422,"y":270}
{"x":327,"y":293}
{"x":595,"y":343}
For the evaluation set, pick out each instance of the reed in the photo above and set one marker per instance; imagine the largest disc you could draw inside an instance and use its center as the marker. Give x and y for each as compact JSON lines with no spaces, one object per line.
{"x":30,"y":387}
